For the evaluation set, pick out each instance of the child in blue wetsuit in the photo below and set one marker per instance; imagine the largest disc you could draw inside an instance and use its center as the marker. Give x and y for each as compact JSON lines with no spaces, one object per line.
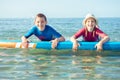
{"x":42,"y":31}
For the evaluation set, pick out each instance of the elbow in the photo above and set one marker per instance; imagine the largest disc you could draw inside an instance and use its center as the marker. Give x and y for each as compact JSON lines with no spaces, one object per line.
{"x":62,"y":39}
{"x":108,"y":38}
{"x":22,"y":37}
{"x":72,"y":38}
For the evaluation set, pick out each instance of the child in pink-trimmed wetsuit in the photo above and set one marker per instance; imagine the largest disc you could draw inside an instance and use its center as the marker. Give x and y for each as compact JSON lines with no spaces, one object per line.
{"x":90,"y":32}
{"x":90,"y":36}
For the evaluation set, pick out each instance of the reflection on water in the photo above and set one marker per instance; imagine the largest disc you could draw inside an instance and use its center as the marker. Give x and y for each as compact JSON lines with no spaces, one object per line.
{"x":29,"y":64}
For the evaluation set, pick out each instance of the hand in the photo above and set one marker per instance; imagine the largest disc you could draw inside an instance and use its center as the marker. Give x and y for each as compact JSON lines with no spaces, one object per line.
{"x":25,"y":44}
{"x":75,"y":46}
{"x":99,"y":47}
{"x":54,"y":43}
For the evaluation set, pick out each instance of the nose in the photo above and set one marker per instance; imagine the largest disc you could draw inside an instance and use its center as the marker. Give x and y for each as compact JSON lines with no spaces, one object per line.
{"x":39,"y":23}
{"x":90,"y":22}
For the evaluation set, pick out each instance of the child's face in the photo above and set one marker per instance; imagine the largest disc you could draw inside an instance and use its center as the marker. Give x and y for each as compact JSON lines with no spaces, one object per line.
{"x":90,"y":24}
{"x":40,"y":22}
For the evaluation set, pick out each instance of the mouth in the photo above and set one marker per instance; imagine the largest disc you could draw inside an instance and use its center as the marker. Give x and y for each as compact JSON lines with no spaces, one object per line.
{"x":40,"y":25}
{"x":90,"y":26}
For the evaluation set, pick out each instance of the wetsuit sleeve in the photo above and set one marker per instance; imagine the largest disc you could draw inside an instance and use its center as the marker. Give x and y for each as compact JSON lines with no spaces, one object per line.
{"x":30,"y":32}
{"x":55,"y":33}
{"x":79,"y":33}
{"x":100,"y":33}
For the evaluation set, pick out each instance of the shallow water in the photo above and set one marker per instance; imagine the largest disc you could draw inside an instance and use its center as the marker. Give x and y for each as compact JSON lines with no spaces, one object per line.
{"x":29,"y":64}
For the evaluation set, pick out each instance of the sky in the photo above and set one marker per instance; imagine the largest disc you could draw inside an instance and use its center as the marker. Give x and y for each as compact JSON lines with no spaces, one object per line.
{"x":59,"y":8}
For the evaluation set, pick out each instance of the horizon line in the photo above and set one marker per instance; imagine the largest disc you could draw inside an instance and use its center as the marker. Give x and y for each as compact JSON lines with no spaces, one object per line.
{"x":68,"y":17}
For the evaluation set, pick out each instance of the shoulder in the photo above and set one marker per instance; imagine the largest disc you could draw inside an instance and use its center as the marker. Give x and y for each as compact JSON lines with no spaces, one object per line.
{"x":49,"y":27}
{"x":82,"y":29}
{"x":98,"y":30}
{"x":34,"y":27}
{"x":100,"y":33}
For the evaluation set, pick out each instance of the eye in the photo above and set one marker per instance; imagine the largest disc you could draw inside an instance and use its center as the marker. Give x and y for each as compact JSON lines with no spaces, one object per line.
{"x":88,"y":21}
{"x":42,"y":21}
{"x":37,"y":22}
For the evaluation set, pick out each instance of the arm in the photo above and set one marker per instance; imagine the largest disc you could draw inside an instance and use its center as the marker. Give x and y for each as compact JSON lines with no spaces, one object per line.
{"x":75,"y":36}
{"x":58,"y":37}
{"x":56,"y":40}
{"x":24,"y":39}
{"x":75,"y":43}
{"x":24,"y":42}
{"x":101,"y":42}
{"x":104,"y":39}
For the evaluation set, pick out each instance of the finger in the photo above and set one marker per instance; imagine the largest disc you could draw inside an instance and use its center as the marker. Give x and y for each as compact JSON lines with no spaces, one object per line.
{"x":51,"y":41}
{"x":79,"y":44}
{"x":74,"y":50}
{"x":99,"y":49}
{"x":54,"y":44}
{"x":25,"y":45}
{"x":95,"y":46}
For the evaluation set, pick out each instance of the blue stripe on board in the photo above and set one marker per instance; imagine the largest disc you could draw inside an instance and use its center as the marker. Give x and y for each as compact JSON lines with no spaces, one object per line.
{"x":68,"y":45}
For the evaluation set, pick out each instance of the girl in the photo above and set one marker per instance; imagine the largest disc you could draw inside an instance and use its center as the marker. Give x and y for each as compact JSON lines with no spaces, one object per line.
{"x":90,"y":33}
{"x":42,"y":31}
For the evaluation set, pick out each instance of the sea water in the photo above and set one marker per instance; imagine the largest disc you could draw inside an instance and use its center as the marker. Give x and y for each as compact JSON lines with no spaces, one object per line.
{"x":38,"y":64}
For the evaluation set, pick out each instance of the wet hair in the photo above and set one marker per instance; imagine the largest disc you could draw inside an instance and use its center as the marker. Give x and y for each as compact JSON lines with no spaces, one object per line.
{"x":41,"y":15}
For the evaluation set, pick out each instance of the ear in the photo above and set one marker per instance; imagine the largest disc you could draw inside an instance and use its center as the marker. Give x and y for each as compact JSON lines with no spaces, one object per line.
{"x":46,"y":22}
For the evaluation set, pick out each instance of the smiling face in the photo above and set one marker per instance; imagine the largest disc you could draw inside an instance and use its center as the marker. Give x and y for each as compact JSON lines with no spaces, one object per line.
{"x":40,"y":22}
{"x":90,"y":24}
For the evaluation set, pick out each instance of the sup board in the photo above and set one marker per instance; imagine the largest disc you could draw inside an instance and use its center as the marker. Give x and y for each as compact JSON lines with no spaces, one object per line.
{"x":61,"y":45}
